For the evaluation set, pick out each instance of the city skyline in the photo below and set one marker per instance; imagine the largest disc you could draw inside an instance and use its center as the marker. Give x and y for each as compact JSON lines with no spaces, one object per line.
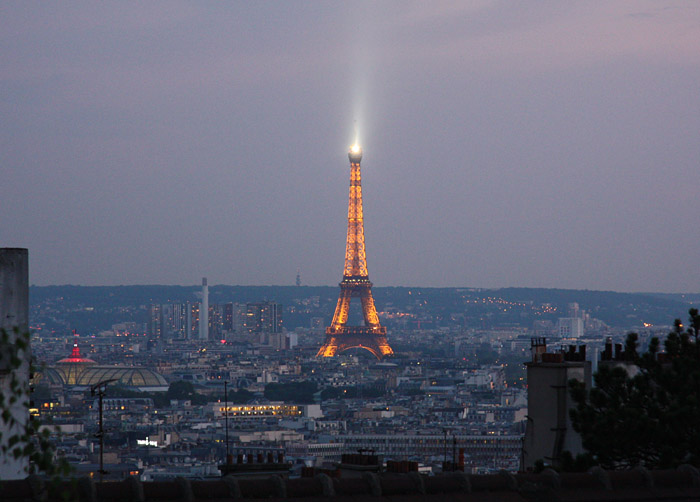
{"x":549,"y":145}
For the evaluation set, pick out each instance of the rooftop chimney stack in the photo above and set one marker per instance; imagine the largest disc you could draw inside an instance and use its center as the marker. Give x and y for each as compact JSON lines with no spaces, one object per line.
{"x":538,"y":346}
{"x":14,"y":319}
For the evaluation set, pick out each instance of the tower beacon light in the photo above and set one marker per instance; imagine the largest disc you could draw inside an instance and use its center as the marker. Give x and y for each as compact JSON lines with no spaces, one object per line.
{"x":355,"y":153}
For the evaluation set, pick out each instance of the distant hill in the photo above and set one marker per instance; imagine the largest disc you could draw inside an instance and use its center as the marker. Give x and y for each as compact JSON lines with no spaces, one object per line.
{"x":94,"y":308}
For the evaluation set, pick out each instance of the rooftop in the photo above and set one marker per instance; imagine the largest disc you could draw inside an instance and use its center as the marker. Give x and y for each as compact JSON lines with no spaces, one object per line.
{"x":682,"y":484}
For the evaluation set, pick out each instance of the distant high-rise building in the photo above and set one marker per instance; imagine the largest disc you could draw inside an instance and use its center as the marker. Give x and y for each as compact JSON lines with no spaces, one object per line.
{"x":185,"y":320}
{"x":543,"y":328}
{"x":227,"y":323}
{"x":298,"y":282}
{"x":240,"y":317}
{"x":204,"y":312}
{"x":263,"y":317}
{"x":216,"y":320}
{"x":174,"y":320}
{"x":233,"y":317}
{"x":155,"y":322}
{"x":167,"y":320}
{"x":170,"y":320}
{"x":192,"y":323}
{"x":572,"y":310}
{"x":179,"y":320}
{"x":570,"y":327}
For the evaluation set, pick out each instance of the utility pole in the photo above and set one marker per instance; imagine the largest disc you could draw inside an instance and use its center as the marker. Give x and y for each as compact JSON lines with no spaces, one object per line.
{"x":228,"y":457}
{"x":454,"y":451}
{"x":444,"y":443}
{"x":100,"y":389}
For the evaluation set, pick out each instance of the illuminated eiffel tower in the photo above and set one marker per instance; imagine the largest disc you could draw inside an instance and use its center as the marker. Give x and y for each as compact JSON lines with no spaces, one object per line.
{"x":355,"y":283}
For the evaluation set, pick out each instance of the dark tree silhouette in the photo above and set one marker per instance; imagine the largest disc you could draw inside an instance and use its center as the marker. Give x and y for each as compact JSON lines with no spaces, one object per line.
{"x":650,"y":419}
{"x":293,"y":392}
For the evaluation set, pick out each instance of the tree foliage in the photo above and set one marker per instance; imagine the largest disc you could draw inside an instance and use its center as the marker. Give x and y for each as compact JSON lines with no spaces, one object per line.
{"x":179,"y":390}
{"x":241,"y":396}
{"x":183,"y":391}
{"x":652,"y":418}
{"x":293,"y":392}
{"x":355,"y":391}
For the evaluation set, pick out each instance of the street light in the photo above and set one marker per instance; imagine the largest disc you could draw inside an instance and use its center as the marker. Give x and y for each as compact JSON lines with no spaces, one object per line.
{"x":228,"y":457}
{"x":100,"y":389}
{"x":454,"y":451}
{"x":444,"y":443}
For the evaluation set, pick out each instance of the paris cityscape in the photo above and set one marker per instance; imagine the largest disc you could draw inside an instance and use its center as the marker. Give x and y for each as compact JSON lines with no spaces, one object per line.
{"x":194,"y":308}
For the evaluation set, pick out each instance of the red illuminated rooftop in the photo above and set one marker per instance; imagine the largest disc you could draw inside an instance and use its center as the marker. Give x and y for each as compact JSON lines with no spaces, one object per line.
{"x":75,"y":356}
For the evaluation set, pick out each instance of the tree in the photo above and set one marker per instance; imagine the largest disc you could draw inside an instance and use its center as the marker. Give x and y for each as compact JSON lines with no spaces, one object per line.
{"x":650,"y":419}
{"x":241,"y":396}
{"x":369,"y":391}
{"x":183,"y":391}
{"x":292,"y":392}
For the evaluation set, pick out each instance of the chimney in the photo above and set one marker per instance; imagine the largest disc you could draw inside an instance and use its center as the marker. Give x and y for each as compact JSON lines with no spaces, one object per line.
{"x":14,"y":319}
{"x":14,"y":289}
{"x":538,"y":346}
{"x":608,"y":352}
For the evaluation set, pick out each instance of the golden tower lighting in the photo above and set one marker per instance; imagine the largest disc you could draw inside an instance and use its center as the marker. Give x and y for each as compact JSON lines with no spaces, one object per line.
{"x":355,"y":283}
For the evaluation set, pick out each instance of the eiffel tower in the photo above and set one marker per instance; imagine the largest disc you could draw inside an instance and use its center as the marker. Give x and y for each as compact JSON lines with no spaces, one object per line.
{"x":355,"y":283}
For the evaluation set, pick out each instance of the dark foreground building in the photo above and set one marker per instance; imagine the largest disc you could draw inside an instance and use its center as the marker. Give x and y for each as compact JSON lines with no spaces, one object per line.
{"x":682,"y":484}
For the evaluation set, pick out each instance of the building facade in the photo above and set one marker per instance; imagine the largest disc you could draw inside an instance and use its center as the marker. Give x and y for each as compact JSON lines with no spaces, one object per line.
{"x":548,"y":431}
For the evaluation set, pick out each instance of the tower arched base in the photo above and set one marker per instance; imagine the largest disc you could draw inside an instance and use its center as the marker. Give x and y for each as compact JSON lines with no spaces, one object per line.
{"x":374,"y":342}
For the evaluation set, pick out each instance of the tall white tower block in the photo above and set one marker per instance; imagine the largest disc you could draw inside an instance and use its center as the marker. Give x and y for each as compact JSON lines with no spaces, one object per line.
{"x":204,"y":312}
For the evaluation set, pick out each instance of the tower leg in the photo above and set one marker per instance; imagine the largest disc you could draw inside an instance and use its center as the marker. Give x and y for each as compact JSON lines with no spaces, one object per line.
{"x":328,"y":349}
{"x":369,"y":311}
{"x":342,"y":309}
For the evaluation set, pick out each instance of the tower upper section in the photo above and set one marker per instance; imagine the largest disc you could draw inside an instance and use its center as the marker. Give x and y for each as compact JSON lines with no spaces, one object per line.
{"x":355,"y":255}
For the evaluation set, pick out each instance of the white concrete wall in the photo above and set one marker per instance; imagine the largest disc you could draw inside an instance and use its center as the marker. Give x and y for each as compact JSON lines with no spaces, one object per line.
{"x":549,"y":403}
{"x":14,"y":313}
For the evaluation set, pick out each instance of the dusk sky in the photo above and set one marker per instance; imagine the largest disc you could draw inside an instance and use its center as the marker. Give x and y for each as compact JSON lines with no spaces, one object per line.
{"x":533,"y":144}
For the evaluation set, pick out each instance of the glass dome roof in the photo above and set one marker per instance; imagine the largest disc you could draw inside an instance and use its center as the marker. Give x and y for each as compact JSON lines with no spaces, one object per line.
{"x":129,"y":376}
